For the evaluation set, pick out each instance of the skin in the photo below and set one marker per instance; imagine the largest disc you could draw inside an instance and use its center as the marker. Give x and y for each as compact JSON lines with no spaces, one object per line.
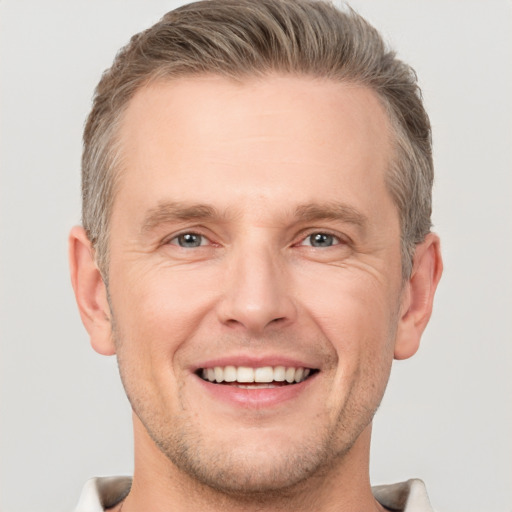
{"x":271,"y":162}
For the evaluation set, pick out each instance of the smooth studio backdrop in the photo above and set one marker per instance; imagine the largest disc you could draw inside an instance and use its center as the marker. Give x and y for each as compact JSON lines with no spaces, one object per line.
{"x":447,"y":415}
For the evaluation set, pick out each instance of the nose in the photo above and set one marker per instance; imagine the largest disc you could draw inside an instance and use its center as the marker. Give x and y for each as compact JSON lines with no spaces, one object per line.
{"x":257,"y":292}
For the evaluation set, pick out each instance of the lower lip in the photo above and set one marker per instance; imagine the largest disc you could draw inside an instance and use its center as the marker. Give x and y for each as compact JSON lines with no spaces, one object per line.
{"x":257,"y":397}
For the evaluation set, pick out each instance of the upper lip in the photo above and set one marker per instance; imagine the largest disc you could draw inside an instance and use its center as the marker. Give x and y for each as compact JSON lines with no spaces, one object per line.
{"x":255,"y":362}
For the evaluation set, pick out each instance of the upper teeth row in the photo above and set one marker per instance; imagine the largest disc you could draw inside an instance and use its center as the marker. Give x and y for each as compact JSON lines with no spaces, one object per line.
{"x":263,"y":374}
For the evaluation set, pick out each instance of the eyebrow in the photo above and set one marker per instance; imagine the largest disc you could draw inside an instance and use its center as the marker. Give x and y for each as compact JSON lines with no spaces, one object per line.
{"x":331,"y":211}
{"x":175,"y":211}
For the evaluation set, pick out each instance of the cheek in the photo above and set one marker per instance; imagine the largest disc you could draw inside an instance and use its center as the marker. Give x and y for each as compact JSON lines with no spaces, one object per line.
{"x":355,"y":309}
{"x":357,"y":315}
{"x":156,"y":311}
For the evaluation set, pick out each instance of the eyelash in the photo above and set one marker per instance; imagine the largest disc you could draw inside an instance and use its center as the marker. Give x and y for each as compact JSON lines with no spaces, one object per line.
{"x":184,"y":234}
{"x":337,"y":240}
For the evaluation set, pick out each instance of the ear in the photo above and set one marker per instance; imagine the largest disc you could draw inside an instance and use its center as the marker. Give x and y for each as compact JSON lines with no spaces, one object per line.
{"x":418,"y":296}
{"x":90,"y":292}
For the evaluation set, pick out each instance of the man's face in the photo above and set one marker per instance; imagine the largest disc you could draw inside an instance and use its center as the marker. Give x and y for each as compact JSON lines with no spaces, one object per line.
{"x":252,"y":236}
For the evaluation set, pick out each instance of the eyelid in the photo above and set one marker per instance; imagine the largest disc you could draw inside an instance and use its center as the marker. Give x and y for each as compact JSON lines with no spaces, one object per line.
{"x":172,"y":239}
{"x":341,"y":238}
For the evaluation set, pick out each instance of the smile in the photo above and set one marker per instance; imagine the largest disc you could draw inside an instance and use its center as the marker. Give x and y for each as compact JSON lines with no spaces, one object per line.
{"x":247,"y":377}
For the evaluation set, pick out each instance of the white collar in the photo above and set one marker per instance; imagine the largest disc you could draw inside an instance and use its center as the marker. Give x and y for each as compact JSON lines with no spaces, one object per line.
{"x":105,"y":492}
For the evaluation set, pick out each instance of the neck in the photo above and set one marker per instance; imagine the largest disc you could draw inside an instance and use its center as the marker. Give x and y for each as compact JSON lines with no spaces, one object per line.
{"x":159,"y":486}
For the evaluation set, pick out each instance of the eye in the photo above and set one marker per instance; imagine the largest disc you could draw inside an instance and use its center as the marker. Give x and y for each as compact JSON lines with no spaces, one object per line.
{"x":189,"y":240}
{"x":321,"y":240}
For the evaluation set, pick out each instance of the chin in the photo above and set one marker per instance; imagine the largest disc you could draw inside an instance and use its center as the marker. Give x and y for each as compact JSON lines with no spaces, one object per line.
{"x":265,"y":465}
{"x":248,"y":474}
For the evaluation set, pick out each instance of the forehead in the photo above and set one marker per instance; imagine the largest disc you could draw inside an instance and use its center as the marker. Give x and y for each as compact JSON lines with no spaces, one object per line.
{"x":268,"y":137}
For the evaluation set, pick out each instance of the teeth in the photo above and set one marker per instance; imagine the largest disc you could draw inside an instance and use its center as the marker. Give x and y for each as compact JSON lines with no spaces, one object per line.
{"x":279,"y":373}
{"x":244,"y":374}
{"x":230,"y":374}
{"x":263,"y":375}
{"x":219,"y":374}
{"x":290,"y":375}
{"x":299,"y":373}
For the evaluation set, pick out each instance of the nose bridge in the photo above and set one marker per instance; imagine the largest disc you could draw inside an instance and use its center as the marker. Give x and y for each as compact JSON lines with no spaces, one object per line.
{"x":257,"y":288}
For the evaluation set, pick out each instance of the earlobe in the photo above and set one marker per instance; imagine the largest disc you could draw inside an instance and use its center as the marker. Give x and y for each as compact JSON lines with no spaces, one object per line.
{"x":90,"y":292}
{"x":418,"y":296}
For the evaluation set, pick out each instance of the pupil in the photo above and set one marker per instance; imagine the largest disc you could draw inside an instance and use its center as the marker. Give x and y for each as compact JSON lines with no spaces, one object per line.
{"x":189,"y":240}
{"x":322,"y":240}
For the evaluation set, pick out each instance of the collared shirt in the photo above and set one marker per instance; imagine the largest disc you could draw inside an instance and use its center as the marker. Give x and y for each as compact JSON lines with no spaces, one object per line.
{"x":99,"y":494}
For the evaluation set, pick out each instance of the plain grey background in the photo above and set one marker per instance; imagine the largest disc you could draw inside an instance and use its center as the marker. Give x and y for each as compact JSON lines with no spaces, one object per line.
{"x":447,"y":415}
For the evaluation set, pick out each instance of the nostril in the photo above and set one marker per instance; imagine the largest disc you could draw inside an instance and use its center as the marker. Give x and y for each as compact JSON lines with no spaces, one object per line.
{"x":254,"y":325}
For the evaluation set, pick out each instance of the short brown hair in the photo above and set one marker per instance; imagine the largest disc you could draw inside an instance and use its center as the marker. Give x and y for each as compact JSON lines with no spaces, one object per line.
{"x":241,"y":38}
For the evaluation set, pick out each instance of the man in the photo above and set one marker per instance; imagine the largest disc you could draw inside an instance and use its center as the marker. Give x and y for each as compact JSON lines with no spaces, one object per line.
{"x":256,"y":250}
